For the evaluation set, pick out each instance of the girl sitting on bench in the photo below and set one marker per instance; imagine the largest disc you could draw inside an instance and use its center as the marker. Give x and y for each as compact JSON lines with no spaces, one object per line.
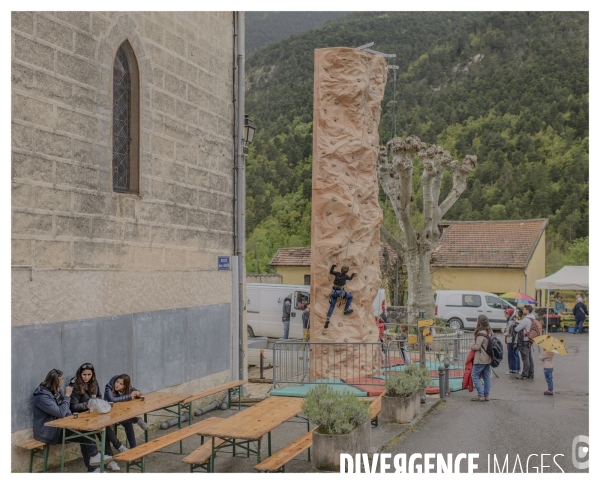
{"x":119,"y":389}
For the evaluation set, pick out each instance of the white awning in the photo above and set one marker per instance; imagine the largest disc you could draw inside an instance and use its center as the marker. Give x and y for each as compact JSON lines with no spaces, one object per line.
{"x":569,"y":277}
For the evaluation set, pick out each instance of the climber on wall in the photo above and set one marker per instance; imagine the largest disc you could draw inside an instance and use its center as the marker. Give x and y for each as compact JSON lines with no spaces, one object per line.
{"x":338,"y":290}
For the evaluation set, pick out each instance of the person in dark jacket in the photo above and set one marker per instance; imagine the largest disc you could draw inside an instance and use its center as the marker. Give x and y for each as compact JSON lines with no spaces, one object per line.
{"x":50,"y":404}
{"x":338,"y":290}
{"x":306,"y":323}
{"x":580,"y":311}
{"x":120,"y":389}
{"x":285,"y":317}
{"x":85,"y":387}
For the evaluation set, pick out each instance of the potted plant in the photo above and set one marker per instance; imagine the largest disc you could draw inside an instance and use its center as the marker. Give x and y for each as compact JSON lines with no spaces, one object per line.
{"x":344,"y":426}
{"x":398,"y":403}
{"x":422,"y":376}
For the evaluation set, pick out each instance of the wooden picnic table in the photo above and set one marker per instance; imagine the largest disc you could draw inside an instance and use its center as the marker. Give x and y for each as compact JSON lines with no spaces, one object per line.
{"x":252,"y":424}
{"x":87,"y":424}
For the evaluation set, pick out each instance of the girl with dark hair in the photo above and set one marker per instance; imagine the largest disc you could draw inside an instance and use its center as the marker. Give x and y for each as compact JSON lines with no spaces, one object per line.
{"x":482,"y":361}
{"x":85,"y":387}
{"x":119,"y":389}
{"x":49,"y":404}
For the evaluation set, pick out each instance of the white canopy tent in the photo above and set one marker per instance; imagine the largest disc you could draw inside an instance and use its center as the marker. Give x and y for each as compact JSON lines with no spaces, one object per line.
{"x":576,"y":278}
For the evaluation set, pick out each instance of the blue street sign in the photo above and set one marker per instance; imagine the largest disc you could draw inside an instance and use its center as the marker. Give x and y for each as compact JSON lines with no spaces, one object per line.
{"x":224,"y":262}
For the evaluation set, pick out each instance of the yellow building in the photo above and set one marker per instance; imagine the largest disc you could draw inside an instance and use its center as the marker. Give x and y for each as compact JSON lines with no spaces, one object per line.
{"x":493,"y":256}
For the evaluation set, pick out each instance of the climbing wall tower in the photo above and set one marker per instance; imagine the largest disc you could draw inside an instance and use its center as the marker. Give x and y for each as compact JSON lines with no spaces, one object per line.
{"x":346,"y":216}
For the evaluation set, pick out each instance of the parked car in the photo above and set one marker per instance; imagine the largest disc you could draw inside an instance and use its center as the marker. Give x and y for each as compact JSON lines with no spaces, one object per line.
{"x":460,"y":308}
{"x":265,"y":307}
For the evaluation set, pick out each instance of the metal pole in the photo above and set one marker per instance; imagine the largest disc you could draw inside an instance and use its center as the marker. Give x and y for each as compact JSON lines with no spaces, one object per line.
{"x":240,"y":188}
{"x":447,"y":381}
{"x":262,"y":357}
{"x":422,"y":355}
{"x":442,"y":383}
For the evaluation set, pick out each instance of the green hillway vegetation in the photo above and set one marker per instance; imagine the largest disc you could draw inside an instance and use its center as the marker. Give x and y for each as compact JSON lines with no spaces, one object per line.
{"x":509,"y":87}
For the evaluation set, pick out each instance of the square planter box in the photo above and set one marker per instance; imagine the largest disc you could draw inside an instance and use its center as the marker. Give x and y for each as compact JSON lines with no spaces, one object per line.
{"x":399,"y":409}
{"x":328,"y":447}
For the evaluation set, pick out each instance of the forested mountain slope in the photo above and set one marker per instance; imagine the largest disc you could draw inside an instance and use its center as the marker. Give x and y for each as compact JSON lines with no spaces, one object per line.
{"x":509,"y":87}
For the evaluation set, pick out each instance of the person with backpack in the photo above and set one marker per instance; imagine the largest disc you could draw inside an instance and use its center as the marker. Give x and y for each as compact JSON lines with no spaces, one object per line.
{"x":285,"y":317}
{"x":338,"y":291}
{"x":514,"y":363}
{"x":482,"y":360}
{"x":524,"y":344}
{"x":580,"y":311}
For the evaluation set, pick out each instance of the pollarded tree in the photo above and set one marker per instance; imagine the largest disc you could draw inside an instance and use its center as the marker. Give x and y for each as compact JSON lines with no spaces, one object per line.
{"x":418,"y":245}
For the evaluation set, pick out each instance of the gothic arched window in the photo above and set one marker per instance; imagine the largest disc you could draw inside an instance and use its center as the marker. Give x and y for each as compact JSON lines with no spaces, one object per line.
{"x":126,"y":114}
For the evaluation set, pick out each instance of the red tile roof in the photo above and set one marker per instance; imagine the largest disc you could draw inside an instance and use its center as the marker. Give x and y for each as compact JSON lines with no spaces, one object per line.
{"x":300,"y":256}
{"x":503,"y":243}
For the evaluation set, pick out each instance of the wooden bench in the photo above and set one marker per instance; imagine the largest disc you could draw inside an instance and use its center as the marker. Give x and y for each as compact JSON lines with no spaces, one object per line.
{"x":375,"y":410}
{"x":211,"y":391}
{"x":36,"y":447}
{"x":132,"y":456}
{"x":200,"y":458}
{"x":277,"y":462}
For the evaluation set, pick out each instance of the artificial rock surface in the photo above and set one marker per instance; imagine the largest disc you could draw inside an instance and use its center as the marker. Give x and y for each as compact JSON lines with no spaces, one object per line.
{"x":346,"y":217}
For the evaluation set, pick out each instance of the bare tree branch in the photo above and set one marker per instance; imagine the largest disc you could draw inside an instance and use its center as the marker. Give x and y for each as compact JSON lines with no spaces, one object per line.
{"x":459,"y":182}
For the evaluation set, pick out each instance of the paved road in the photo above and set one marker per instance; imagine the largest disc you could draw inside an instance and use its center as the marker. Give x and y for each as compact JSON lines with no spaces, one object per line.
{"x":518,"y":419}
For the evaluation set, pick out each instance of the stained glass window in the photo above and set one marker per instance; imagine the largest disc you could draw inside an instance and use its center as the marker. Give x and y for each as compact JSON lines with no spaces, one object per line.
{"x":123,"y":110}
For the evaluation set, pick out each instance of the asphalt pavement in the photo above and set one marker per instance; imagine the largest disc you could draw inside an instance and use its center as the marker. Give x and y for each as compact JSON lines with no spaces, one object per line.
{"x":518,"y":421}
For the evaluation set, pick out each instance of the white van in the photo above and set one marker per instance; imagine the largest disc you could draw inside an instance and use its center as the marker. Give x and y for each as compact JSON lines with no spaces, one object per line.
{"x":460,"y":308}
{"x":265,"y":308}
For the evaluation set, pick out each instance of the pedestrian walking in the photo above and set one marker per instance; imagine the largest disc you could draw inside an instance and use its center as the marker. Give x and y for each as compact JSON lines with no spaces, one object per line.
{"x":514,"y":363}
{"x":482,"y":360}
{"x":580,"y":311}
{"x":381,"y":328}
{"x":547,"y":358}
{"x":306,"y":323}
{"x":523,"y":343}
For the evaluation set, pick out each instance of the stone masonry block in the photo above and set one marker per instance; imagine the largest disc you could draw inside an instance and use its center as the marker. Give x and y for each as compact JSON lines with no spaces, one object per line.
{"x":22,"y":136}
{"x":29,"y":167}
{"x":175,"y":86}
{"x":34,"y":53}
{"x":164,"y":103}
{"x":174,"y":43}
{"x":73,"y":226}
{"x":76,"y":176}
{"x":198,"y":97}
{"x":198,"y":219}
{"x":107,"y":229}
{"x":89,"y":203}
{"x":54,"y":33}
{"x":22,"y":21}
{"x":121,"y":256}
{"x":176,"y":259}
{"x":21,"y":195}
{"x":207,"y":200}
{"x":100,"y":25}
{"x":33,"y":111}
{"x":187,"y":112}
{"x":186,"y":70}
{"x":162,"y":236}
{"x":53,"y":144}
{"x":85,"y":45}
{"x":199,"y":178}
{"x":148,"y":258}
{"x":176,"y":130}
{"x":52,"y":254}
{"x":196,"y":259}
{"x":20,"y":251}
{"x":47,"y":198}
{"x":78,"y":69}
{"x":163,"y":191}
{"x":121,"y":207}
{"x":90,"y":254}
{"x":163,"y":146}
{"x":84,"y":99}
{"x":186,"y":153}
{"x":175,"y":215}
{"x":136,"y":233}
{"x":81,"y":20}
{"x":190,"y":238}
{"x":22,"y":77}
{"x":186,"y":29}
{"x":51,"y":88}
{"x":24,"y":223}
{"x":185,"y":195}
{"x":153,"y":31}
{"x":83,"y":151}
{"x":168,"y":171}
{"x":162,"y":58}
{"x":77,"y":123}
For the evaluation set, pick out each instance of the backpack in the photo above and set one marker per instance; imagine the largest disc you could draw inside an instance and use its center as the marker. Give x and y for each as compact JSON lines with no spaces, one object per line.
{"x":495,"y":350}
{"x":535,"y":330}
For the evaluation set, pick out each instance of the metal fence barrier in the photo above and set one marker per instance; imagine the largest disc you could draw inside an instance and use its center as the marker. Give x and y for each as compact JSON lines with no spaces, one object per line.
{"x":297,"y":362}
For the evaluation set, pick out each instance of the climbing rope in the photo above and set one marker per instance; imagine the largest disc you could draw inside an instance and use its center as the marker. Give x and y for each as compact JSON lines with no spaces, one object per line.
{"x":365,"y":101}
